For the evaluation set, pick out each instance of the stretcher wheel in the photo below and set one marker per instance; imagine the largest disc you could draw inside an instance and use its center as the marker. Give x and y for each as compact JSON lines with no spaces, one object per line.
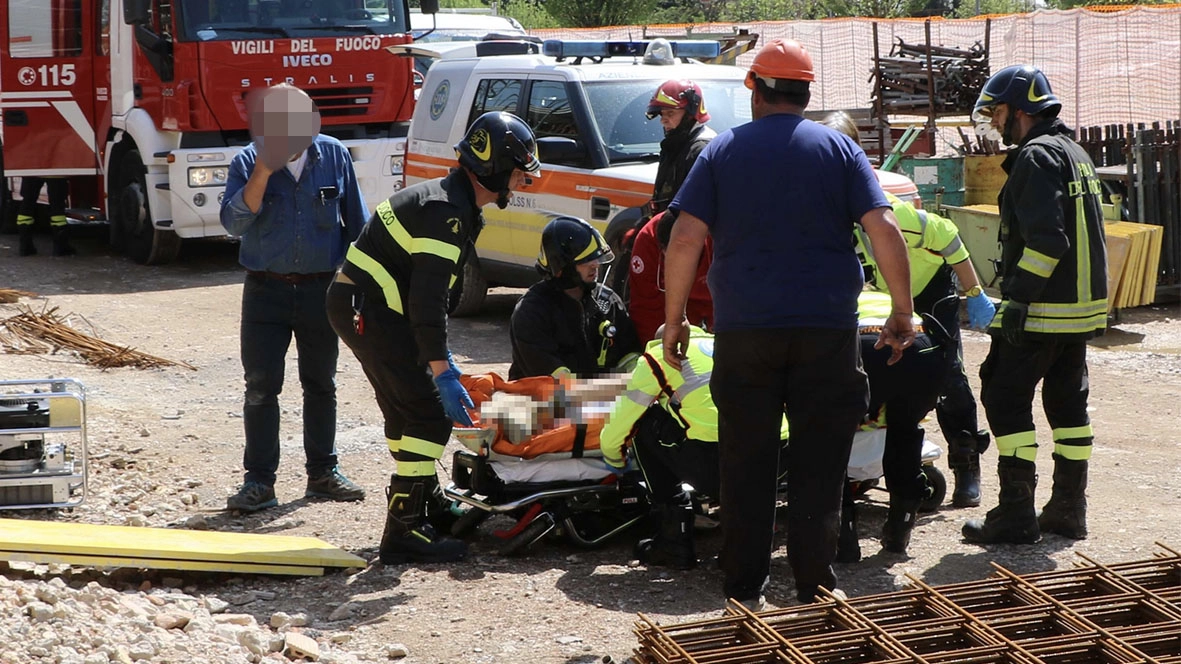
{"x":938,"y":483}
{"x":533,"y":532}
{"x":467,"y":523}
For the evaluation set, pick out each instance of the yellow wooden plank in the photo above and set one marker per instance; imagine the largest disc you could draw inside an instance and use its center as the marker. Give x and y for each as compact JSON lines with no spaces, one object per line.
{"x":171,"y":544}
{"x":1152,"y":269}
{"x":1117,"y":256}
{"x":151,"y":563}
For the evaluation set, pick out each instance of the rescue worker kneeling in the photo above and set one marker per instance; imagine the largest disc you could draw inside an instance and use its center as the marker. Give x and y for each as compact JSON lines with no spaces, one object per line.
{"x":670,"y":418}
{"x":900,"y":396}
{"x":569,"y":323}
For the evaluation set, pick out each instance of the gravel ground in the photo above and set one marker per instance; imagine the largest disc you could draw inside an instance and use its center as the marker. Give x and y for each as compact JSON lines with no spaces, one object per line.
{"x":166,"y":451}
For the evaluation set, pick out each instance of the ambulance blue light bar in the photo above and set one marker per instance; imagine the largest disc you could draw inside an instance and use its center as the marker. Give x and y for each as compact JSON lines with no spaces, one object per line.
{"x":558,"y":48}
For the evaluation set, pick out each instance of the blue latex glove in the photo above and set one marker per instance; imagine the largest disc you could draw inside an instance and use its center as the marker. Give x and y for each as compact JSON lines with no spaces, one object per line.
{"x":455,"y":399}
{"x":451,"y":363}
{"x":1013,"y":321}
{"x":620,"y":471}
{"x":980,"y":311}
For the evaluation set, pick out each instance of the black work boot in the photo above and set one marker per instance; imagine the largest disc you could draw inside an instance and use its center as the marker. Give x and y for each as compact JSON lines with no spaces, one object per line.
{"x":899,"y":523}
{"x":438,"y":508}
{"x":848,"y":545}
{"x":61,"y":241}
{"x":963,"y":457}
{"x":1066,"y":512}
{"x":408,"y":537}
{"x":1014,"y":520}
{"x":673,"y":544}
{"x":27,"y":248}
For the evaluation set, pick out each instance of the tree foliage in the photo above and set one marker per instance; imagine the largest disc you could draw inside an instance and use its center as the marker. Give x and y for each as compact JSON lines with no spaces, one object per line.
{"x":596,"y":13}
{"x":534,"y":14}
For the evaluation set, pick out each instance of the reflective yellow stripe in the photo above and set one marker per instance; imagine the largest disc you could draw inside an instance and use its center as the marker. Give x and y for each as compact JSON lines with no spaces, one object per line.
{"x":1067,"y":309}
{"x":589,"y":249}
{"x":23,"y":220}
{"x":414,"y":245}
{"x":1011,"y":444}
{"x":393,"y":444}
{"x":1037,"y":263}
{"x":1083,"y":250}
{"x":416,"y":468}
{"x":1073,"y":452}
{"x":422,"y":447}
{"x":57,"y":220}
{"x":561,"y":372}
{"x":389,"y":287}
{"x":1045,"y":325}
{"x":1071,"y":433}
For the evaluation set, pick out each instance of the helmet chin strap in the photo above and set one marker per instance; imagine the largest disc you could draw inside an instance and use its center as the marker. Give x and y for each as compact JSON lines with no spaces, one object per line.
{"x":1007,"y":134}
{"x":502,"y":198}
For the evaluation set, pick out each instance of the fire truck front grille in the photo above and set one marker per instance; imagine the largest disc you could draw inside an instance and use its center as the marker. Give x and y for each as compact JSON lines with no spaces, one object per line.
{"x":343,"y":102}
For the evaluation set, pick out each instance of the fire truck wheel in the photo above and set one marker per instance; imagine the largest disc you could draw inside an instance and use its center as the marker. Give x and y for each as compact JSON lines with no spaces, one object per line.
{"x":467,"y":296}
{"x":132,"y":230}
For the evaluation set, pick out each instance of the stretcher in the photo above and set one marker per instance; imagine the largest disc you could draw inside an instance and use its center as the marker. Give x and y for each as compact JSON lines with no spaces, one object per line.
{"x":538,"y":461}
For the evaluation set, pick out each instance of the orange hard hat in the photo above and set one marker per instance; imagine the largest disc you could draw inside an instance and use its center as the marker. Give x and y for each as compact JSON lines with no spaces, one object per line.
{"x":781,"y":59}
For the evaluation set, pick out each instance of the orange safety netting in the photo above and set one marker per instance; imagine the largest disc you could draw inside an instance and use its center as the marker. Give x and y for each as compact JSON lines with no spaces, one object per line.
{"x":1109,"y":65}
{"x":554,"y":440}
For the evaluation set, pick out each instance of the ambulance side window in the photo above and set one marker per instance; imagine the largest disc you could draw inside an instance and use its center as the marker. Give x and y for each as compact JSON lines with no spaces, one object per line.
{"x":550,"y":113}
{"x":40,"y":29}
{"x":495,"y":94}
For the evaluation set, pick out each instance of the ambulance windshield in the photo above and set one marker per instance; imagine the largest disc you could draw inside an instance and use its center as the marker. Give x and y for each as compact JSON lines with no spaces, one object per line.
{"x":213,"y":20}
{"x":619,"y":109}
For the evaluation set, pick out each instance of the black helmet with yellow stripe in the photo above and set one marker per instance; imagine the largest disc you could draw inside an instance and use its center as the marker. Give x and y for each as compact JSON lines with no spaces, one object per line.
{"x":494,"y":146}
{"x":567,"y":242}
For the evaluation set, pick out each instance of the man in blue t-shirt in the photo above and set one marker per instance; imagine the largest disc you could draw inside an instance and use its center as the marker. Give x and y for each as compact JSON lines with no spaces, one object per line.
{"x":780,"y":196}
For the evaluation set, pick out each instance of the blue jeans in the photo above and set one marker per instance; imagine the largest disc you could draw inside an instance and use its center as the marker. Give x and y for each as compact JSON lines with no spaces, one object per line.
{"x":272,"y":311}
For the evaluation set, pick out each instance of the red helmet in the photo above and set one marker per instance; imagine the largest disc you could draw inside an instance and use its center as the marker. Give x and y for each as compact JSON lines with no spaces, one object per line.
{"x":679,"y":94}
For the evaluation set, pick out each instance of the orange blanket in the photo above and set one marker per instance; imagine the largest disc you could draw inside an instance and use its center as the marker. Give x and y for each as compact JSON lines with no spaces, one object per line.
{"x":559,"y":437}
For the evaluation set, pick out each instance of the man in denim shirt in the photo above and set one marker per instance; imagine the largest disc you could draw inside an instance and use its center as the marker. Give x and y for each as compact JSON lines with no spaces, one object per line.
{"x":295,"y":221}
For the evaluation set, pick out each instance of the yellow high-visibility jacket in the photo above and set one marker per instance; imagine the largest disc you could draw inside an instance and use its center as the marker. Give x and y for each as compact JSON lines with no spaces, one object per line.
{"x":931,"y":241}
{"x":684,"y":394}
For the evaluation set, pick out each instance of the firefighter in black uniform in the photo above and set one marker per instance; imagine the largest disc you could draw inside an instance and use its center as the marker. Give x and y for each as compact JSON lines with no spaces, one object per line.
{"x":680,"y":105}
{"x":389,"y":305}
{"x":1054,"y":298}
{"x":58,"y":189}
{"x":569,"y":323}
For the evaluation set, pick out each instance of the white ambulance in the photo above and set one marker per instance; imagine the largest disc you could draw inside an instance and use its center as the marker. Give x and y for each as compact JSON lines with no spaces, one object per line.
{"x":586,"y":102}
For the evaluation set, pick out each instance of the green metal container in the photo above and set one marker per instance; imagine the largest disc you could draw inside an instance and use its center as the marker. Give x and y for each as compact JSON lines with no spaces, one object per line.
{"x":933,"y":175}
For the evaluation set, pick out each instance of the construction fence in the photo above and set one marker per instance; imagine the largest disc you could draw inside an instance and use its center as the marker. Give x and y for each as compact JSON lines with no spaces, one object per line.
{"x":1109,"y":67}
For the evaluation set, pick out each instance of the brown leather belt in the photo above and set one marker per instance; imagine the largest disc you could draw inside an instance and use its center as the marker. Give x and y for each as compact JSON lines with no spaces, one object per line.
{"x":292,"y":277}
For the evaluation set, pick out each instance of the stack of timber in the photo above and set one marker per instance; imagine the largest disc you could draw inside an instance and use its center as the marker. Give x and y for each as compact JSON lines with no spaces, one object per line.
{"x":162,"y":548}
{"x":922,"y":78}
{"x":1133,"y":263}
{"x":1125,"y":612}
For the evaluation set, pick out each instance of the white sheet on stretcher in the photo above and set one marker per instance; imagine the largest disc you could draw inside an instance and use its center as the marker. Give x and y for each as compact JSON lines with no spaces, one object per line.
{"x":548,"y":470}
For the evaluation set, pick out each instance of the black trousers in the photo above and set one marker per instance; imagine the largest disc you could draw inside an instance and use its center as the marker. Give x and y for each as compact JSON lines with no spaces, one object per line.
{"x":667,"y":458}
{"x":908,"y":390}
{"x":956,"y":407}
{"x":1009,"y":376}
{"x":815,"y":376}
{"x":57,"y":190}
{"x":273,"y":312}
{"x":416,"y":427}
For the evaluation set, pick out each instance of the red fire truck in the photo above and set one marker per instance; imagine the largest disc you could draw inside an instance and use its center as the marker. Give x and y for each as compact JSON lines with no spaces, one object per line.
{"x":140,"y":103}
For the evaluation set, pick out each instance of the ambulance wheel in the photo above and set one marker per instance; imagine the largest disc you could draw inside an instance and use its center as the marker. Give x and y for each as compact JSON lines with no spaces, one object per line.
{"x":938,"y":484}
{"x":537,"y":529}
{"x":469,"y":291}
{"x":132,"y":230}
{"x":467,"y":523}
